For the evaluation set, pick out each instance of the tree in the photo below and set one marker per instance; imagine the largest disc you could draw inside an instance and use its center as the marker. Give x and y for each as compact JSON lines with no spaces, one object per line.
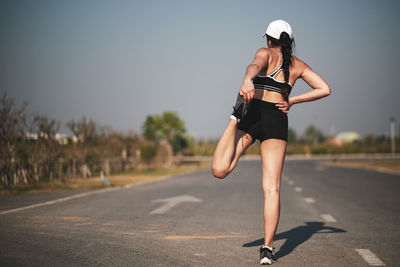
{"x":42,"y":148}
{"x":166,"y":126}
{"x":291,"y":135}
{"x":151,"y":127}
{"x":12,"y":124}
{"x":86,"y":133}
{"x":148,"y":152}
{"x":312,"y":135}
{"x":179,"y":142}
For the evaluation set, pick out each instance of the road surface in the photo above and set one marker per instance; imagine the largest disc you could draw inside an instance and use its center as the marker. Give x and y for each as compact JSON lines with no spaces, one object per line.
{"x":329,"y":217}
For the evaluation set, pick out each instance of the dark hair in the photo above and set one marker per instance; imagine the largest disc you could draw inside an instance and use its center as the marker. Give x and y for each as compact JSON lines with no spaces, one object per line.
{"x":287,"y":44}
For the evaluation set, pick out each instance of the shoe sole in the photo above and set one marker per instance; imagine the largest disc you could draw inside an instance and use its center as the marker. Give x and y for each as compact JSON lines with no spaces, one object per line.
{"x":266,"y":261}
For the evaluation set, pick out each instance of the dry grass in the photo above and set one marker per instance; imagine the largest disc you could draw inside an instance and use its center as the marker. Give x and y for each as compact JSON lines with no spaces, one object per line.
{"x":384,"y":165}
{"x":122,"y":179}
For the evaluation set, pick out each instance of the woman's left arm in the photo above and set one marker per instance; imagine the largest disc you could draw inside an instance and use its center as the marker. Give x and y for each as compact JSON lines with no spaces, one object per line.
{"x":320,"y":89}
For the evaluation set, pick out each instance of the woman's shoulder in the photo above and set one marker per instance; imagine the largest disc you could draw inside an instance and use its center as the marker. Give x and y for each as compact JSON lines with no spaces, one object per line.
{"x":263,"y":51}
{"x":299,"y":64}
{"x":297,"y":68}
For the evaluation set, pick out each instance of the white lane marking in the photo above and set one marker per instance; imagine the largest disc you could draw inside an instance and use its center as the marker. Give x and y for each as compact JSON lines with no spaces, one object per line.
{"x":369,"y":257}
{"x":290,"y":182}
{"x":309,"y":200}
{"x":60,"y":200}
{"x":298,"y":189}
{"x":172,"y":202}
{"x":328,"y":218}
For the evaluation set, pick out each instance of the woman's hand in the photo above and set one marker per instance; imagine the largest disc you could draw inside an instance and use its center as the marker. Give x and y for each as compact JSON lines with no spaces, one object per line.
{"x":284,"y":106}
{"x":247,"y":90}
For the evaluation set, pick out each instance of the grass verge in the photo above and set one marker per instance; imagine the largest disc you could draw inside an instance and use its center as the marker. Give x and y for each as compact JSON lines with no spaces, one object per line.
{"x":119,"y":179}
{"x":383,"y":165}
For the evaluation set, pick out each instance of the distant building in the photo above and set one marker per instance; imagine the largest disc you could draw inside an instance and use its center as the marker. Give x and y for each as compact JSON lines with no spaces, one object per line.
{"x":333,"y":141}
{"x":35,"y":136}
{"x":74,"y":139}
{"x":31,"y":136}
{"x":348,"y":137}
{"x":61,"y":138}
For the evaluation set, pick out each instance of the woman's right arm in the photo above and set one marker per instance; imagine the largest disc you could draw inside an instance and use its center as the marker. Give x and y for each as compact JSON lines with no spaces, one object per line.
{"x":259,"y":62}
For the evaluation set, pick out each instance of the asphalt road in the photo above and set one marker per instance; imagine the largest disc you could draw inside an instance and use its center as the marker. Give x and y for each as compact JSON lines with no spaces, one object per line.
{"x":327,"y":214}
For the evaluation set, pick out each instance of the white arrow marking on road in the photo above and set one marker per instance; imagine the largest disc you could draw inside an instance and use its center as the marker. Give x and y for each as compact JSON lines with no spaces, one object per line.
{"x":172,"y":202}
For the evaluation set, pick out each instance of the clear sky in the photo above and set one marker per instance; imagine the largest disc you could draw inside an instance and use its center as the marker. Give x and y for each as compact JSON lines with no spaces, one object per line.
{"x":118,"y":61}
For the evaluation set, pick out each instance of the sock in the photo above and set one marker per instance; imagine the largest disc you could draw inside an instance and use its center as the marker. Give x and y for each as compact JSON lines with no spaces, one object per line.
{"x":233,"y":118}
{"x":270,"y":248}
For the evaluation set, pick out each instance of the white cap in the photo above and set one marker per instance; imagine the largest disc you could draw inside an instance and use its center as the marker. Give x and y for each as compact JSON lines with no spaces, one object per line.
{"x":276,"y":27}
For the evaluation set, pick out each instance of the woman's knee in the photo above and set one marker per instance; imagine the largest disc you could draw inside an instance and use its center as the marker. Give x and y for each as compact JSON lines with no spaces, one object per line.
{"x":219,"y":169}
{"x":271,"y":190}
{"x":219,"y":172}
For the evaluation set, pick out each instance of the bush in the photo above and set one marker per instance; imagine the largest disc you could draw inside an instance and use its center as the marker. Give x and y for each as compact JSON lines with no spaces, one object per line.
{"x":319,"y":149}
{"x":148,"y":153}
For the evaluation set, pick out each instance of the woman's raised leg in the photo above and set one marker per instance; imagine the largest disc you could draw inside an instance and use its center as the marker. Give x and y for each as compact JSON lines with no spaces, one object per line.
{"x":230,"y":147}
{"x":272,"y":157}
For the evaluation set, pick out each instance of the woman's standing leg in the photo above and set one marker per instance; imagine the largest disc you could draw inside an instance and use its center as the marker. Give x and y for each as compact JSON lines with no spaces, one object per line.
{"x":272,"y":157}
{"x":231,"y":145}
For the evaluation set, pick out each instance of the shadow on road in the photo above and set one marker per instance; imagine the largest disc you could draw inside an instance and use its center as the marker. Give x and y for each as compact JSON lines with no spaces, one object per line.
{"x":297,"y":236}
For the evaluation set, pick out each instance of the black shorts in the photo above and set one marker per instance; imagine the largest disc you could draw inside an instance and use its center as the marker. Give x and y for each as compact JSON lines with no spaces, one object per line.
{"x":264,"y":121}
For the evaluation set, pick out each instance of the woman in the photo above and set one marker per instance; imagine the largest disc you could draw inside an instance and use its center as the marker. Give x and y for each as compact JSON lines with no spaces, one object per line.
{"x":261,"y":113}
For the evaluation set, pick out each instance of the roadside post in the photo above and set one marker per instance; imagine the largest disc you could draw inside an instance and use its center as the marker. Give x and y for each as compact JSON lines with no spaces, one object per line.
{"x":392,"y":134}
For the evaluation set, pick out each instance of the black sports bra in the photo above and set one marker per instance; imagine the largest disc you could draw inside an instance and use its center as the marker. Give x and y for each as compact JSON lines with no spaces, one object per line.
{"x":270,"y":83}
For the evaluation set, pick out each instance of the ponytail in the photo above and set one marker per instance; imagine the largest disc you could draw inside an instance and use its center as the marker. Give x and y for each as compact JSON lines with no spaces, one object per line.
{"x":286,"y":43}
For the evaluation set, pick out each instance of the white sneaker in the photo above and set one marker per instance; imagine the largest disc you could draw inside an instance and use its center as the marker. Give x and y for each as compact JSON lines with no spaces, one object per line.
{"x":267,"y":255}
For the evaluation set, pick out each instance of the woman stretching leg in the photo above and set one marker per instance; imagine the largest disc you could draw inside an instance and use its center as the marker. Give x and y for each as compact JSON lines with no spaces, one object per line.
{"x":265,"y":89}
{"x":231,"y":145}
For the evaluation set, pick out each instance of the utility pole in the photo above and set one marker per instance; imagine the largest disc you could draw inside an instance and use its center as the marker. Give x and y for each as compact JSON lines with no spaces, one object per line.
{"x":392,"y":123}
